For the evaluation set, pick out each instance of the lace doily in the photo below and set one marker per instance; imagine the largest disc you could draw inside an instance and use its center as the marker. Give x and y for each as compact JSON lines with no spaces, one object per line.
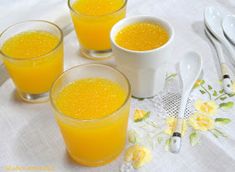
{"x":167,"y":102}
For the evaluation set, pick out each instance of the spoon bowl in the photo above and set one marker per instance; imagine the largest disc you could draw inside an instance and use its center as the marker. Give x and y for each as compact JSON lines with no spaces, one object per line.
{"x":213,"y":21}
{"x":189,"y":69}
{"x":228,"y":25}
{"x":213,"y":18}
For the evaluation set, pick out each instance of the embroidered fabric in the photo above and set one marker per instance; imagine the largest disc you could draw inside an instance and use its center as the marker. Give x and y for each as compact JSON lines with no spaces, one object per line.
{"x":167,"y":102}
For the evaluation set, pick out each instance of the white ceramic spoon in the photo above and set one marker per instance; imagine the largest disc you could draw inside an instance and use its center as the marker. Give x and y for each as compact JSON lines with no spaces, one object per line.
{"x":189,"y":69}
{"x":228,"y":25}
{"x":213,"y":21}
{"x":227,"y":82}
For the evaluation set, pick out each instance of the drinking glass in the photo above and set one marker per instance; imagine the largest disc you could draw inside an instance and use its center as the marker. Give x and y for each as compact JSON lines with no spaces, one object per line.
{"x":93,"y":31}
{"x":93,"y":142}
{"x":34,"y":76}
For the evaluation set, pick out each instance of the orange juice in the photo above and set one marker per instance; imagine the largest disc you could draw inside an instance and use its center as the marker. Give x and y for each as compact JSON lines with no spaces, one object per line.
{"x":101,"y":133}
{"x":142,"y":36}
{"x":93,"y":20}
{"x":35,"y":60}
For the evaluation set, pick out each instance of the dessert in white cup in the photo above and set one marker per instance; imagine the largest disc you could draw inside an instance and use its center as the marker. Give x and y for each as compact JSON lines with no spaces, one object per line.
{"x":146,"y":70}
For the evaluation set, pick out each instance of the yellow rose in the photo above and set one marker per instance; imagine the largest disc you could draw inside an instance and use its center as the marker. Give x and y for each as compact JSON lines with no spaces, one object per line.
{"x":207,"y":107}
{"x":140,"y":115}
{"x":171,"y":124}
{"x":201,"y":122}
{"x":138,"y":156}
{"x":198,"y":83}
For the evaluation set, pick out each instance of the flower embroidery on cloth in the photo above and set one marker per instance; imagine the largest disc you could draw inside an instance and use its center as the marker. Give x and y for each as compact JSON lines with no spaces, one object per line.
{"x":138,"y":155}
{"x":140,"y":115}
{"x":171,"y":124}
{"x":150,"y":130}
{"x":206,"y":107}
{"x":201,"y":122}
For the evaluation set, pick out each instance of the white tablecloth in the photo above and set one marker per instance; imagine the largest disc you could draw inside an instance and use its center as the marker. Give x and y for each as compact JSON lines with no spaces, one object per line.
{"x":29,"y":135}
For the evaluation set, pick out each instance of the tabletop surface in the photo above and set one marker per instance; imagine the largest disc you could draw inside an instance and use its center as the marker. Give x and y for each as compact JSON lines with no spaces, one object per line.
{"x":30,"y":136}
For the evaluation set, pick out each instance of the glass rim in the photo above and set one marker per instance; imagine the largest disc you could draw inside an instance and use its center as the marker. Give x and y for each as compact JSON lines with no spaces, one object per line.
{"x":110,"y":13}
{"x":114,"y":113}
{"x":36,"y":57}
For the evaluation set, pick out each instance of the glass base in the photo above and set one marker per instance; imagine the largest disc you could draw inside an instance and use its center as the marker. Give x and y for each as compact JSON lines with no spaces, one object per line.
{"x":34,"y":98}
{"x":94,"y":164}
{"x":96,"y":55}
{"x":142,"y":98}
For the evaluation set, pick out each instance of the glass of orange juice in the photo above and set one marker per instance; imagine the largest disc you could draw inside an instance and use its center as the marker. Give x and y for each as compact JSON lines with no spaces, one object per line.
{"x":91,"y":104}
{"x":32,"y":52}
{"x":93,"y":20}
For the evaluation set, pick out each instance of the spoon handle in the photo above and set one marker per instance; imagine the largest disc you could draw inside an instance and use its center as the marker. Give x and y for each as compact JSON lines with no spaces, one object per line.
{"x":227,"y":82}
{"x":230,"y":49}
{"x":175,"y":144}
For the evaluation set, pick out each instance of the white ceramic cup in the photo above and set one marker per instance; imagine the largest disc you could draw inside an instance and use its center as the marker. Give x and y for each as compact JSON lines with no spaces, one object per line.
{"x":146,"y":70}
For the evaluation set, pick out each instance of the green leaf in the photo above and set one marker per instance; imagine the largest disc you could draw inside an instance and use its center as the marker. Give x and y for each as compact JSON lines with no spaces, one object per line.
{"x":231,"y":95}
{"x":194,"y":138}
{"x":159,"y":140}
{"x":220,"y":133}
{"x":147,"y":115}
{"x":220,"y":82}
{"x":227,"y":105}
{"x":132,"y":136}
{"x":167,"y":144}
{"x":209,"y":87}
{"x":221,"y":91}
{"x":171,"y":76}
{"x":215,"y":93}
{"x":222,"y":121}
{"x":223,"y":98}
{"x":217,"y":133}
{"x":202,"y":92}
{"x":152,"y":123}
